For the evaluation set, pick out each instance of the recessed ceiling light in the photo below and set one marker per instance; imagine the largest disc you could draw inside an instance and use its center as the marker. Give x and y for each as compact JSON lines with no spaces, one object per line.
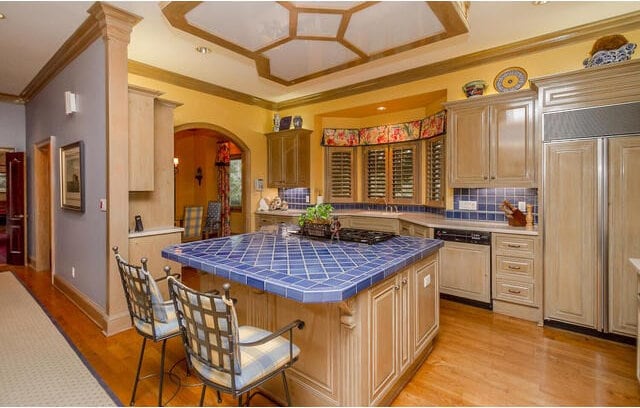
{"x":381,"y":108}
{"x":203,"y":50}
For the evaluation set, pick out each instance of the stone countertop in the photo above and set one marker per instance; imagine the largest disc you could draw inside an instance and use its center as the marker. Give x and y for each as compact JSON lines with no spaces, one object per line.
{"x":425,"y":219}
{"x":299,"y":268}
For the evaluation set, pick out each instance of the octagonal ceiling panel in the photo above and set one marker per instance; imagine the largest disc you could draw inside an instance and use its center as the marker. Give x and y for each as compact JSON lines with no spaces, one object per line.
{"x":251,"y":25}
{"x":319,"y":24}
{"x":283,"y":38}
{"x":314,"y":55}
{"x":402,"y":23}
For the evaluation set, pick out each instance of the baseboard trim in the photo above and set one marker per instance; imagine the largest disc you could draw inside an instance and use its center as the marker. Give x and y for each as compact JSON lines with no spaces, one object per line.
{"x":618,"y":338}
{"x":466,"y":301}
{"x":86,"y":305}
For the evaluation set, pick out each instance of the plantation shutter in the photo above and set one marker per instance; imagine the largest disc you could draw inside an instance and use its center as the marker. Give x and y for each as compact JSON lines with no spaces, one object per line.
{"x":340,"y":177}
{"x":402,"y":179}
{"x":435,"y":171}
{"x":376,"y":167}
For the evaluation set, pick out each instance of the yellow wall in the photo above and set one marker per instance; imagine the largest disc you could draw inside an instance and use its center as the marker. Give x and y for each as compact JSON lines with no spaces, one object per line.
{"x":249,"y":123}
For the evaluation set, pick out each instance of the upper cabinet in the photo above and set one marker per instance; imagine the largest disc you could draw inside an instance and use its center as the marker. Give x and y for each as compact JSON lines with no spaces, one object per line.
{"x":141,"y":138}
{"x":491,"y":141}
{"x":288,"y":158}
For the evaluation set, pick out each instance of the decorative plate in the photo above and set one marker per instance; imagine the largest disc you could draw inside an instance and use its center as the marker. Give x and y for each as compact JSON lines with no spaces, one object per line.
{"x":510,"y":79}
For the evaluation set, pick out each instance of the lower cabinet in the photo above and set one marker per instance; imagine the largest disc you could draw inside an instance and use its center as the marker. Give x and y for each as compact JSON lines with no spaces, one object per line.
{"x":415,"y":230}
{"x":517,"y":276}
{"x":263,"y":220}
{"x":466,"y":271}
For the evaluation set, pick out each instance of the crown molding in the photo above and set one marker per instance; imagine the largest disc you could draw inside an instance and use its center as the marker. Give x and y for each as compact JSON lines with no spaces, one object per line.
{"x":104,"y":20}
{"x":11,"y":99}
{"x":149,"y":71}
{"x":583,"y":32}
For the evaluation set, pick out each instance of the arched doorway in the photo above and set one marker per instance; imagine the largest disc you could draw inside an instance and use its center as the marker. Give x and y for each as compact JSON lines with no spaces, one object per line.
{"x":195,"y":146}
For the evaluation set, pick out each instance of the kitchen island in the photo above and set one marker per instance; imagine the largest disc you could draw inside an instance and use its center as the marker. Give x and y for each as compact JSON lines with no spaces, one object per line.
{"x":371,"y":311}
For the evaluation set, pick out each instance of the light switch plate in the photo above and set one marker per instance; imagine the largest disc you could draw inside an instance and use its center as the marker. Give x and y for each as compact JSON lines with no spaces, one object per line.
{"x":522,"y":206}
{"x":468,"y":205}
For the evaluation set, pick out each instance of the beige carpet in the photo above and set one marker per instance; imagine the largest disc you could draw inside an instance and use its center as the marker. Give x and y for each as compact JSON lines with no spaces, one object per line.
{"x":38,"y":365}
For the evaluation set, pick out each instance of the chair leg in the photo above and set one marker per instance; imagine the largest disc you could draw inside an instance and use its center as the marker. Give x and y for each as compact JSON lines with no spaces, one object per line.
{"x":286,"y":388}
{"x":219,"y":397}
{"x":135,"y":384}
{"x":164,"y":346}
{"x":204,"y":389}
{"x":240,"y":400}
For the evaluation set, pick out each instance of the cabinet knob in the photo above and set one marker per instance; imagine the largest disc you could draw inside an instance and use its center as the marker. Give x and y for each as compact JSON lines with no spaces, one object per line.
{"x":514,"y":267}
{"x":486,"y":178}
{"x":514,"y":291}
{"x":396,"y":287}
{"x":493,"y":177}
{"x":404,"y":281}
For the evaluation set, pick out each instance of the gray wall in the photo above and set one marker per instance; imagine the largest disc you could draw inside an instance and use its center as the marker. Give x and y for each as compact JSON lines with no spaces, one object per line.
{"x":12,"y":126}
{"x":80,"y":239}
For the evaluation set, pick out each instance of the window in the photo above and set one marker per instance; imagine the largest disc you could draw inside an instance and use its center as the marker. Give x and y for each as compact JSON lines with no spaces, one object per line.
{"x":435,"y":172}
{"x":391,"y":173}
{"x":235,"y":182}
{"x":340,"y":174}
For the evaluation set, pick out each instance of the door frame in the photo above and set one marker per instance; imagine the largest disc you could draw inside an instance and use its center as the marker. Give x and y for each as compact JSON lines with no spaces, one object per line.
{"x":246,"y":164}
{"x":39,"y":223}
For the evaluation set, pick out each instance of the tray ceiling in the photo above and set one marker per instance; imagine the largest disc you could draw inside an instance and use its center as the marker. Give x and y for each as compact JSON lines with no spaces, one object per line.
{"x":293,"y":42}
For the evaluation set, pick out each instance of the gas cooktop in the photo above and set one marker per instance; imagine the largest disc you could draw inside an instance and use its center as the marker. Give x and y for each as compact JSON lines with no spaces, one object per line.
{"x":364,"y":236}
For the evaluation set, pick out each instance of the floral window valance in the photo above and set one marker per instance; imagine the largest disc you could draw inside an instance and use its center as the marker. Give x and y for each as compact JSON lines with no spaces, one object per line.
{"x":430,"y":126}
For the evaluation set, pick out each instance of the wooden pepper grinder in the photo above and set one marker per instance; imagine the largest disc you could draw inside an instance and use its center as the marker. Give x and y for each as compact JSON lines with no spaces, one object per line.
{"x":529,"y":216}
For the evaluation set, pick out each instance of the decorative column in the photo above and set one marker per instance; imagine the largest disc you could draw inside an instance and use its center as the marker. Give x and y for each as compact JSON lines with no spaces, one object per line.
{"x":116,"y":25}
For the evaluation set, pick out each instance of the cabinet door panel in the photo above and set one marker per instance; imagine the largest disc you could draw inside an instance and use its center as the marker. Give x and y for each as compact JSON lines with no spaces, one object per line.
{"x":624,"y":224}
{"x":383,"y":347}
{"x":275,"y":177}
{"x":289,"y":159}
{"x":571,"y":220}
{"x":512,"y":143}
{"x":425,"y":305}
{"x":468,"y":154}
{"x":465,"y":270}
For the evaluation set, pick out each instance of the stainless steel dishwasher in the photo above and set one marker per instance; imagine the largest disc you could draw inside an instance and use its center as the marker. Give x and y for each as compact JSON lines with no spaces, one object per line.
{"x":465,"y":266}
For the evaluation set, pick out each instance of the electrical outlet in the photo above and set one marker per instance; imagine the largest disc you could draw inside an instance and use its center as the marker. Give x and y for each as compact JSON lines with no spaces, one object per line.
{"x":73,"y":271}
{"x":306,"y":199}
{"x":427,"y":281}
{"x":522,"y":206}
{"x":468,"y":205}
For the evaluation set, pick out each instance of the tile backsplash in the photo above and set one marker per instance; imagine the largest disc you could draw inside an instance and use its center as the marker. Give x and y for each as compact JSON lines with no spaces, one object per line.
{"x":488,"y":202}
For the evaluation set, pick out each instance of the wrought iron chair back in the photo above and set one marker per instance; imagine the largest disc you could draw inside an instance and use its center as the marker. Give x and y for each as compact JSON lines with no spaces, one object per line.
{"x":137,"y":291}
{"x":212,"y":221}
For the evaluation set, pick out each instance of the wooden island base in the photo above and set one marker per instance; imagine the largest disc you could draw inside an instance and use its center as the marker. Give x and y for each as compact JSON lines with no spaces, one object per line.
{"x":358,"y":352}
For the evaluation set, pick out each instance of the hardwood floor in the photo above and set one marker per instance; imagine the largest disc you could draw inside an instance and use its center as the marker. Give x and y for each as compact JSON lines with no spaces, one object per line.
{"x":480,"y":358}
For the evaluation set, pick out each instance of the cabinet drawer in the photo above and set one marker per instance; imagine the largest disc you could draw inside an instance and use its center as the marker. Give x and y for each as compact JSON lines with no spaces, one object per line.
{"x":514,"y":266}
{"x":515,"y":244}
{"x":518,"y":292}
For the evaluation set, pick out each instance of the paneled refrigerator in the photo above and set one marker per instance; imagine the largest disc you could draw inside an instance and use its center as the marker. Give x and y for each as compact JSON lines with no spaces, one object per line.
{"x":592,"y":217}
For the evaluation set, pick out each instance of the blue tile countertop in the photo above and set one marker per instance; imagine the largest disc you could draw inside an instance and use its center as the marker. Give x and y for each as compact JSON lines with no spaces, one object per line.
{"x":299,"y":268}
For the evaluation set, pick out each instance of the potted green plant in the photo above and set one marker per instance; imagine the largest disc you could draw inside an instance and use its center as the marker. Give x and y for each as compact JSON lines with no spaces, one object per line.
{"x":316,"y":220}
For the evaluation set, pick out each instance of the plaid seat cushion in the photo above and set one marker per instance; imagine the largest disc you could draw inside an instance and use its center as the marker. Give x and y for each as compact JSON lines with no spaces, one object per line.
{"x":192,"y":222}
{"x":162,"y":329}
{"x":257,"y":361}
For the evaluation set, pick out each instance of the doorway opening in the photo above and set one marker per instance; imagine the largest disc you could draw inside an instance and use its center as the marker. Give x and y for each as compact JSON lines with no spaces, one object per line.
{"x":197,"y":181}
{"x":42,"y":207}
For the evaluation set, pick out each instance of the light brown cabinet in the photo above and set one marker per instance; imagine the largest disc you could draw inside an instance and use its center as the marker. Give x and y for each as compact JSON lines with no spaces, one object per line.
{"x":288,"y":158}
{"x":141,"y":138}
{"x":466,"y":271}
{"x":517,"y":276}
{"x":491,"y":141}
{"x":415,"y":230}
{"x":263,"y":220}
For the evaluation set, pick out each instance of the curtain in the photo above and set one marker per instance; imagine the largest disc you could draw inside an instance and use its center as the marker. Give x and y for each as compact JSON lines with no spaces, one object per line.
{"x":223,"y":159}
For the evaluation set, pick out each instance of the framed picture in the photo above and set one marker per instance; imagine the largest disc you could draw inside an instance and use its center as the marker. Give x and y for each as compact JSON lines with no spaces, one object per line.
{"x":3,"y":182}
{"x":3,"y":151}
{"x":72,"y":177}
{"x":285,"y":122}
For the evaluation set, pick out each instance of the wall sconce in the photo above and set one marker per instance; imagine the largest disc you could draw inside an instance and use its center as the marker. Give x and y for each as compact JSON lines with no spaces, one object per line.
{"x":70,"y":103}
{"x":199,"y":175}
{"x":176,"y":161}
